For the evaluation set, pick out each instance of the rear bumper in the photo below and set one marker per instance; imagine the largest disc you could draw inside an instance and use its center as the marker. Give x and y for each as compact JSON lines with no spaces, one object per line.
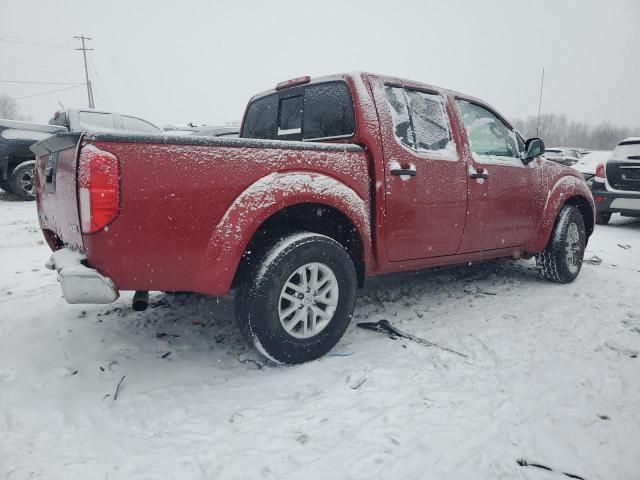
{"x":81,"y":284}
{"x":615,"y":202}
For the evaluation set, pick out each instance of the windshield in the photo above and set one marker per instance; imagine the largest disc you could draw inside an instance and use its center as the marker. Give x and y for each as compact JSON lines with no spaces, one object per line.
{"x":626,"y":150}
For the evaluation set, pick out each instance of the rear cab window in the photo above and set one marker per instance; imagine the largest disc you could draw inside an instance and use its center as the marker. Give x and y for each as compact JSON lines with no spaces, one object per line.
{"x":315,"y":112}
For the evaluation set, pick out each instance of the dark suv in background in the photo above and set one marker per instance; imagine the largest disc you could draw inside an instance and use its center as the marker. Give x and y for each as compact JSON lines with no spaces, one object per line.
{"x":17,"y":161}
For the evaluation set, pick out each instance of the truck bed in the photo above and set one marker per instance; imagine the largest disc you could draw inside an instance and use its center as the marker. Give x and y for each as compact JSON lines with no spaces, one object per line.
{"x":174,"y":193}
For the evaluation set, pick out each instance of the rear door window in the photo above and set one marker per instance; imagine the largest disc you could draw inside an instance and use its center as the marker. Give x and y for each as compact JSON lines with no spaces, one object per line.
{"x":314,"y":112}
{"x":419,"y":119}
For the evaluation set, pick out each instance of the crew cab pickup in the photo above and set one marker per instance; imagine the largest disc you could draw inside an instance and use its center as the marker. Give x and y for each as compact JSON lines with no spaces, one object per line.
{"x":332,"y":180}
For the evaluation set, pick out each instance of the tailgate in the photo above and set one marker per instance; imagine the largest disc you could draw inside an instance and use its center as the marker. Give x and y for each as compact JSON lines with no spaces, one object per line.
{"x":56,"y":189}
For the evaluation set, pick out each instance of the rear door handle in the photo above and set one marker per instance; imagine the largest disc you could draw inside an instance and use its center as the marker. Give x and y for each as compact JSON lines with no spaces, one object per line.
{"x":484,"y":175}
{"x":478,"y":173}
{"x":403,"y":171}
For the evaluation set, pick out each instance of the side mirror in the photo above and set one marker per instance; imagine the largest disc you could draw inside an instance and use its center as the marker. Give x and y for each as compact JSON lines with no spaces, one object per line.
{"x":534,"y":147}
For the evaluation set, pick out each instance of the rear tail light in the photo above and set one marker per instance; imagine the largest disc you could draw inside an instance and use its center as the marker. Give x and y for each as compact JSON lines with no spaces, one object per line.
{"x":600,"y":171}
{"x":98,"y":188}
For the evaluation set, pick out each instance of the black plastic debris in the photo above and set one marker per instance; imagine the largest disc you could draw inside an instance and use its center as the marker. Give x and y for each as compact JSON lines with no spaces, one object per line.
{"x":524,"y":463}
{"x":384,"y":326}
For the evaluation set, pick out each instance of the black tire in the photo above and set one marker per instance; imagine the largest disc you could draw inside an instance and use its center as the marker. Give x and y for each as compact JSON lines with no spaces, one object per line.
{"x":22,"y":181}
{"x":602,"y":218}
{"x":259,"y":298}
{"x":561,"y":260}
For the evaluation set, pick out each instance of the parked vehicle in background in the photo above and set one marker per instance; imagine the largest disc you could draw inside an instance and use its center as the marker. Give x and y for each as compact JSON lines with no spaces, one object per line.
{"x":616,"y":184}
{"x":17,"y":161}
{"x":218,"y":132}
{"x":202,"y":131}
{"x":332,"y":180}
{"x":588,"y":163}
{"x":563,"y":156}
{"x":91,"y":120}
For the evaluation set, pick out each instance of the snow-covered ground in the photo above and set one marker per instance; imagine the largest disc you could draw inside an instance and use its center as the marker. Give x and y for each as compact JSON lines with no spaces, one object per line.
{"x":552,"y":376}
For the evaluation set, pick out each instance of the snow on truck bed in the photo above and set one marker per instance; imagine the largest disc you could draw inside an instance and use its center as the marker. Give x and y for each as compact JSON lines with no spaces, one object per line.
{"x":552,"y":376}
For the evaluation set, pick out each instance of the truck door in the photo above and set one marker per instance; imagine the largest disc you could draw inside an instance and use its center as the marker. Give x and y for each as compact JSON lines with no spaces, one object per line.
{"x":504,"y":197}
{"x":425,"y":177}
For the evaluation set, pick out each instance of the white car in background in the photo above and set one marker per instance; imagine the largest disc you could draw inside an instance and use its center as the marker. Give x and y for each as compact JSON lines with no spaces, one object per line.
{"x":563,"y":155}
{"x":588,"y":163}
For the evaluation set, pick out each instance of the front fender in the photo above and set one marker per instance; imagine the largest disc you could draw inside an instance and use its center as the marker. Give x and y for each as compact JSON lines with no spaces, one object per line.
{"x":257,"y":203}
{"x":565,"y":189}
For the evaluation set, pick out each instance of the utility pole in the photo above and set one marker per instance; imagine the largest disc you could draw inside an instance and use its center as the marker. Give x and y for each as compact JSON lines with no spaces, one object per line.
{"x":540,"y":102}
{"x":86,"y":70}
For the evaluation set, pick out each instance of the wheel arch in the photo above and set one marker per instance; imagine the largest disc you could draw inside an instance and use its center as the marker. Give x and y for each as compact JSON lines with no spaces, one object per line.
{"x":280,"y":203}
{"x":568,"y":190}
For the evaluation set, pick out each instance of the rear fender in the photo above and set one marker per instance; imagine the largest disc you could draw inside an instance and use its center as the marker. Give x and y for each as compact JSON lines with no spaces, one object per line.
{"x":257,"y":203}
{"x":565,"y":190}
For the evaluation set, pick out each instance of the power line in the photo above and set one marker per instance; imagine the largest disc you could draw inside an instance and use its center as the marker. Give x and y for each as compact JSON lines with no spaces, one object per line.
{"x":86,"y":70}
{"x":33,"y":44}
{"x":50,"y":91}
{"x":40,"y":83}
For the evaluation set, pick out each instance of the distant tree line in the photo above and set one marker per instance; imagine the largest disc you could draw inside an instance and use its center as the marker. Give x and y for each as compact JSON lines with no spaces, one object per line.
{"x":558,"y":131}
{"x":9,"y":108}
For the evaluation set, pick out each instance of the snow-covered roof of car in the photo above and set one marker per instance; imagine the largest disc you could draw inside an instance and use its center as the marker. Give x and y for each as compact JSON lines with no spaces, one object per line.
{"x":630,"y":141}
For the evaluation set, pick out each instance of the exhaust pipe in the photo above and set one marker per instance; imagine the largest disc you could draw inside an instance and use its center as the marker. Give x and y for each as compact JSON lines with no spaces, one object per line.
{"x":140,"y":301}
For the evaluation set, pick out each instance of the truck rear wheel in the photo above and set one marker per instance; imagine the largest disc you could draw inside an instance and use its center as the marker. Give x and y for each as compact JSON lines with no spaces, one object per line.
{"x":561,"y":260}
{"x":23,"y":181}
{"x":296,"y":303}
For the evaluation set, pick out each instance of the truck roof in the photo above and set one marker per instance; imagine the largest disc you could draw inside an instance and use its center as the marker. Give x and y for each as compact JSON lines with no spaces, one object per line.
{"x":386,"y":79}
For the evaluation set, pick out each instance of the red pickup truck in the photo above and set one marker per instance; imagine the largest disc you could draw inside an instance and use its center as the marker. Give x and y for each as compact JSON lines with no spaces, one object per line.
{"x":332,"y":180}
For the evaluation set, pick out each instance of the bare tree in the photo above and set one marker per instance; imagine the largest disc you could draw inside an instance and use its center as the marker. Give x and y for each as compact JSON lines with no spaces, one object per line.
{"x":9,"y":108}
{"x":556,"y":131}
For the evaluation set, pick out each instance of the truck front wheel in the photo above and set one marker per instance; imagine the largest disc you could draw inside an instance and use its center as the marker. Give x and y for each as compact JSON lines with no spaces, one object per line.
{"x":23,"y":181}
{"x":296,"y":303}
{"x":561,"y":260}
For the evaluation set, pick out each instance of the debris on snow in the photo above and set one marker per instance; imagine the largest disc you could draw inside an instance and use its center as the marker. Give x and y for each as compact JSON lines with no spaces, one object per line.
{"x":115,"y":395}
{"x":358,"y":383}
{"x":593,"y":260}
{"x":386,"y":327}
{"x":524,"y":463}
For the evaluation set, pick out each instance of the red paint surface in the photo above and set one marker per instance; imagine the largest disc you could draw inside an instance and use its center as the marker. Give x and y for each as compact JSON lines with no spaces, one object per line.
{"x":187,"y":212}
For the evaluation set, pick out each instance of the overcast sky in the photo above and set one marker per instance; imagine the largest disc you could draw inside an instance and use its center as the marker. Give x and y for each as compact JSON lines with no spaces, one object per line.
{"x":200,"y":61}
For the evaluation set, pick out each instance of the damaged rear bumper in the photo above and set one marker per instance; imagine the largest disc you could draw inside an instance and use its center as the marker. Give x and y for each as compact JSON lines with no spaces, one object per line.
{"x":81,"y":284}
